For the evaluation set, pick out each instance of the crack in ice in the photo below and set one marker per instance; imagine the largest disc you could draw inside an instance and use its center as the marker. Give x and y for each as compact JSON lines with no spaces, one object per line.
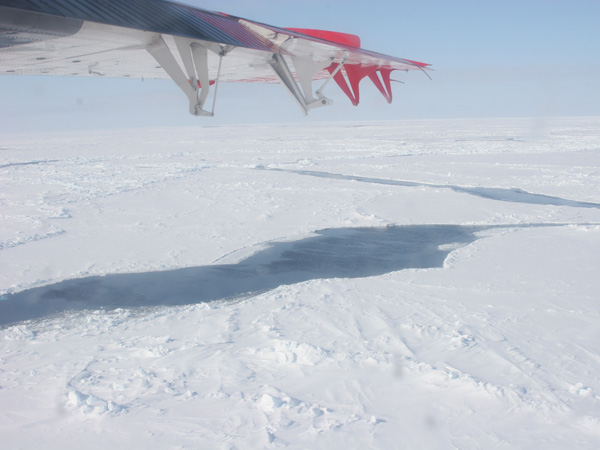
{"x":515,"y":195}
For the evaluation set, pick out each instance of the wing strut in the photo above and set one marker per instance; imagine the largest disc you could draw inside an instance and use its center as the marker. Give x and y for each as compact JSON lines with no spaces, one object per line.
{"x":331,"y":76}
{"x":305,"y":69}
{"x":221,"y":54}
{"x":196,"y":84}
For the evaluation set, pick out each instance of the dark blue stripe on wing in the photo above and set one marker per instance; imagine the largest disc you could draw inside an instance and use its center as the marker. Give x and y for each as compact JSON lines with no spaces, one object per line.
{"x":148,"y":15}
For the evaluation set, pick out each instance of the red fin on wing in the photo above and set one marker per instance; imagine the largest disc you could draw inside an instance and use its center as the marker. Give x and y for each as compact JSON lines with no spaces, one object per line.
{"x":334,"y":36}
{"x":354,"y":73}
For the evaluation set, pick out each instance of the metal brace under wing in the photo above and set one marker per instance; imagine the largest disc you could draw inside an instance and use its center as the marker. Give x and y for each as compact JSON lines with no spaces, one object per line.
{"x":305,"y":69}
{"x":195,"y":60}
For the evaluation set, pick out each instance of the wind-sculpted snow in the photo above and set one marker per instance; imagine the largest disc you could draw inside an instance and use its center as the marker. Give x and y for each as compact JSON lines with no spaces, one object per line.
{"x":158,"y":291}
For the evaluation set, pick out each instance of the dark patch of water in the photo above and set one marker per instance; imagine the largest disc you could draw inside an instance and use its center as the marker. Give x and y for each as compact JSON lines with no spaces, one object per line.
{"x":331,"y":253}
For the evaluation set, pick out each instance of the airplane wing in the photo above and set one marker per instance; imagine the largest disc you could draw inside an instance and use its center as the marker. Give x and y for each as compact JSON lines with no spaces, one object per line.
{"x":196,"y":48}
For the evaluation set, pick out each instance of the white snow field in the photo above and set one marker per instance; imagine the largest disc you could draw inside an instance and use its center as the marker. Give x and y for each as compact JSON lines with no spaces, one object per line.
{"x":417,"y":284}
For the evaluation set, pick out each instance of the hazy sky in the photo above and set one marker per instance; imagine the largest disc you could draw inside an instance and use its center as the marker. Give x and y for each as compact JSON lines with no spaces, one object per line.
{"x":492,"y":58}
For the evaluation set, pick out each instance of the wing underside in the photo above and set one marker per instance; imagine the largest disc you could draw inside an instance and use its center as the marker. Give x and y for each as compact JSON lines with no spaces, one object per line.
{"x":193,"y":47}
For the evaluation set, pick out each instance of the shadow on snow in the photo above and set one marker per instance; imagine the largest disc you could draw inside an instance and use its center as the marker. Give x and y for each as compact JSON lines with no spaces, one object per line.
{"x":331,"y":253}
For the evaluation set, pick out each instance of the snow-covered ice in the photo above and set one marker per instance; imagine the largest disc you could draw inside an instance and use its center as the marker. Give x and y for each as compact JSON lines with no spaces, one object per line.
{"x":415,"y":284}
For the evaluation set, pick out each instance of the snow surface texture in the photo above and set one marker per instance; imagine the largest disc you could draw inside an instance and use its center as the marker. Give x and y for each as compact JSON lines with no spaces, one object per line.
{"x":418,"y":284}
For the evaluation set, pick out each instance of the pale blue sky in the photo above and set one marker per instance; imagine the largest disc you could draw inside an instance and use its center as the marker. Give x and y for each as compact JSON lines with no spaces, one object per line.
{"x":510,"y":58}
